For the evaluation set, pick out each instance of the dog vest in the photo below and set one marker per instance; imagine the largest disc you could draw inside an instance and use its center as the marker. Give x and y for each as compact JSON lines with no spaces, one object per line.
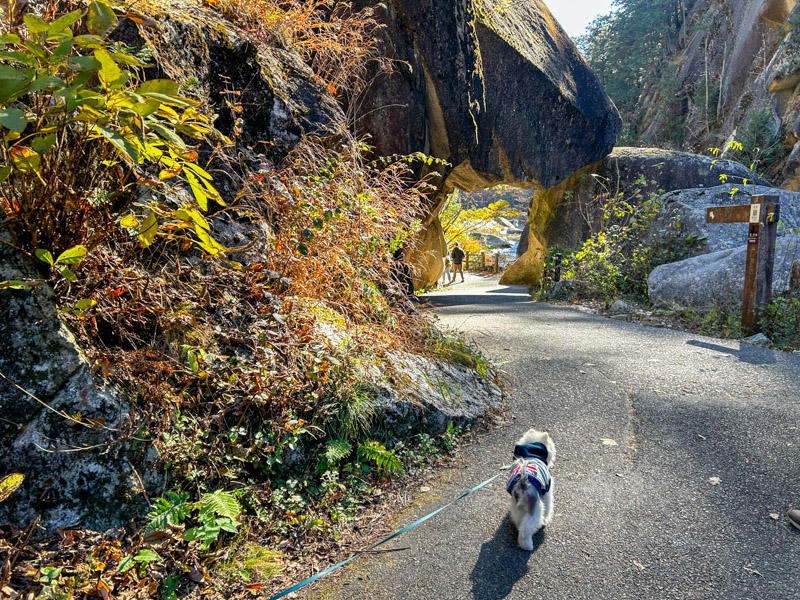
{"x":534,"y":467}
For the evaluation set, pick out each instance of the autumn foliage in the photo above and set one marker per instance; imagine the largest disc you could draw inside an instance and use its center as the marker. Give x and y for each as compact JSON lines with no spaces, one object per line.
{"x":237,"y":331}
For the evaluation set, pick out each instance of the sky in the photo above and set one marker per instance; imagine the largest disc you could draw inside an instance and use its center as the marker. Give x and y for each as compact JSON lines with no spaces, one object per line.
{"x":575,"y":15}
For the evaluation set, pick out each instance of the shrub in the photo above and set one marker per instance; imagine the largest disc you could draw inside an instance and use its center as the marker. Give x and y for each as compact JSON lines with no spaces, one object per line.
{"x":781,"y":322}
{"x":82,"y":133}
{"x":620,"y":257}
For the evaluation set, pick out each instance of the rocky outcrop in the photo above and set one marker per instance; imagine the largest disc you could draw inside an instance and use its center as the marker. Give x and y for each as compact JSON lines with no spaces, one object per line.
{"x":749,"y":52}
{"x":499,"y":92}
{"x":62,"y":428}
{"x":566,"y":214}
{"x":528,"y":268}
{"x":718,"y":275}
{"x":279,"y":96}
{"x":428,"y":395}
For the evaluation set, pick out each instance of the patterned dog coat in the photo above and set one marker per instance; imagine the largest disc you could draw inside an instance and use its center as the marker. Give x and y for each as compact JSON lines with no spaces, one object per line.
{"x":535,"y":467}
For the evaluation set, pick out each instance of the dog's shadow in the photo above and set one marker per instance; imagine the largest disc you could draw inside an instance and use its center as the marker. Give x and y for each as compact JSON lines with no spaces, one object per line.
{"x":501,"y":563}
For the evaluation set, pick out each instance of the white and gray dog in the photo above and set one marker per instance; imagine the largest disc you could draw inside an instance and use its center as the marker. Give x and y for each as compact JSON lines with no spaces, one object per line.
{"x":531,"y":486}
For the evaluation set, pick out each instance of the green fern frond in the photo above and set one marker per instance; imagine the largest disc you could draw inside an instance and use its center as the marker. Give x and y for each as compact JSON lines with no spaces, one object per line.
{"x":336,"y":450}
{"x":222,"y":504}
{"x":385,"y":459}
{"x":168,"y":511}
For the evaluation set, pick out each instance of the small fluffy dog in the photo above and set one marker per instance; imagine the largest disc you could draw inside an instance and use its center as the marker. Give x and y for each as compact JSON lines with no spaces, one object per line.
{"x":530,"y":485}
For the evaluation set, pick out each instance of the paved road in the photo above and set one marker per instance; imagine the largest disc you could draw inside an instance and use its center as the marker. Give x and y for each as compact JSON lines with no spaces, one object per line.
{"x":639,"y":520}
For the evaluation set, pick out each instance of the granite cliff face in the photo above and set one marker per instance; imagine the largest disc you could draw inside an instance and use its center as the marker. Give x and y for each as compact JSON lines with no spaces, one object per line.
{"x":749,"y":53}
{"x":493,"y":87}
{"x":62,"y":427}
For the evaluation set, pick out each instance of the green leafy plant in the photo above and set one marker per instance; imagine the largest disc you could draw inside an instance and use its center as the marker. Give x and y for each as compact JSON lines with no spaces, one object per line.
{"x":337,"y":450}
{"x":143,"y":558}
{"x":450,"y":436}
{"x":385,"y":459}
{"x":618,"y":258}
{"x":216,"y":512}
{"x":169,"y":511}
{"x":781,"y":322}
{"x":81,"y":133}
{"x":211,"y":527}
{"x":72,"y":256}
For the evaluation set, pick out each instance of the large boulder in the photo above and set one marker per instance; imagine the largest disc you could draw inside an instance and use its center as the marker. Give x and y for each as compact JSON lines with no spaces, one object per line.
{"x":502,"y":95}
{"x":62,"y":428}
{"x":567,"y":213}
{"x":689,"y":208}
{"x":528,"y":268}
{"x":717,"y":277}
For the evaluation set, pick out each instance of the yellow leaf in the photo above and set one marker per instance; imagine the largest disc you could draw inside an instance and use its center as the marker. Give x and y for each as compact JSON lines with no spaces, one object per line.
{"x":207,"y":243}
{"x":9,"y":484}
{"x":129,"y":221}
{"x":148,"y":230}
{"x":169,"y":173}
{"x":198,"y":191}
{"x":200,"y":171}
{"x":25,"y":159}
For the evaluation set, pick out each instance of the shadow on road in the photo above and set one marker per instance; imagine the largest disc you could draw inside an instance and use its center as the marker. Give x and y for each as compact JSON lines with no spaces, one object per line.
{"x":501,"y":563}
{"x":746,"y":353}
{"x":477,"y":299}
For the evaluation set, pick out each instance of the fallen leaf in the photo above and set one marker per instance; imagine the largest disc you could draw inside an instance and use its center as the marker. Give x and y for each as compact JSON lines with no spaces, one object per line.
{"x":714,"y":480}
{"x":10,"y":593}
{"x":752,"y":571}
{"x":638,"y":564}
{"x":608,"y":442}
{"x":103,"y":590}
{"x":774,"y":516}
{"x":196,"y":575}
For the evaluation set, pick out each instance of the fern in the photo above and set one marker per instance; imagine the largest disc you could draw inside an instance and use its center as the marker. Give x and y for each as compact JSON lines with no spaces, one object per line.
{"x":336,"y":450}
{"x":221,"y":503}
{"x":385,"y":459}
{"x":168,"y":511}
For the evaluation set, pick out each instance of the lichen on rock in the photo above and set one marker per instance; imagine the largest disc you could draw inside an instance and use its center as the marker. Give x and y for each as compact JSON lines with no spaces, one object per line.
{"x":62,"y":428}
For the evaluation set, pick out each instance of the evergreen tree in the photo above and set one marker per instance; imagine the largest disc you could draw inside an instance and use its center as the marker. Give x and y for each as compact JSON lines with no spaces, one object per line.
{"x":630,"y":50}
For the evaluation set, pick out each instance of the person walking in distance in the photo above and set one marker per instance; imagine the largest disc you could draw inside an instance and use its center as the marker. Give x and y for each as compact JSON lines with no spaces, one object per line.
{"x":457,"y":255}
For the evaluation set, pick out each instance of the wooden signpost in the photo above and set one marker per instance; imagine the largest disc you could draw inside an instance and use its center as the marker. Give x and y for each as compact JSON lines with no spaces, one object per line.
{"x":762,"y":216}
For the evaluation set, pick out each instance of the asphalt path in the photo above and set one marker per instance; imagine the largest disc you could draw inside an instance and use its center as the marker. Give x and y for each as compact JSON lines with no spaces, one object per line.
{"x":678,"y":458}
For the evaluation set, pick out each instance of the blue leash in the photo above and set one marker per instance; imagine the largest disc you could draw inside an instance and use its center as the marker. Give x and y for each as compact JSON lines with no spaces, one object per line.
{"x":313,"y":578}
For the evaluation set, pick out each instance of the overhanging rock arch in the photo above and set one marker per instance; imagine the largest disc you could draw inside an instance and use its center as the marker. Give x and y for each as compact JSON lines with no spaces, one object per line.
{"x":495,"y":88}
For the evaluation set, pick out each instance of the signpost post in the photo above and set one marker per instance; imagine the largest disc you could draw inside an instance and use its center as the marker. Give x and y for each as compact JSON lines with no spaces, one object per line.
{"x":762,"y":215}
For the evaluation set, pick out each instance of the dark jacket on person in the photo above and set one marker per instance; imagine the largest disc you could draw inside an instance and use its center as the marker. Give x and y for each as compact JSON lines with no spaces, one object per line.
{"x":457,"y":255}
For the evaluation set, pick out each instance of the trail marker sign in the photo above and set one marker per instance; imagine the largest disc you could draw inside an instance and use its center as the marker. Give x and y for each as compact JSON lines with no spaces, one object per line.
{"x":762,"y":216}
